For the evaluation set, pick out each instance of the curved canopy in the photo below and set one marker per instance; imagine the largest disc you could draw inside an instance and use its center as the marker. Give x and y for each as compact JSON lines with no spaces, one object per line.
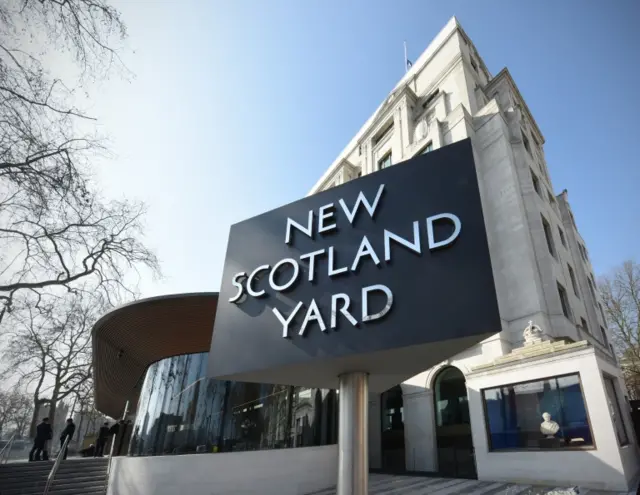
{"x":127,"y":340}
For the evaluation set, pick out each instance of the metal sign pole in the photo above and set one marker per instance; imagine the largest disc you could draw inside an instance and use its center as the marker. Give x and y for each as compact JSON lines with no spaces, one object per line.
{"x":353,"y":446}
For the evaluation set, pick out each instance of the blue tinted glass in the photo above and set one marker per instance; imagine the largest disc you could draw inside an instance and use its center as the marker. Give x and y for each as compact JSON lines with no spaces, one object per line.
{"x":542,"y":414}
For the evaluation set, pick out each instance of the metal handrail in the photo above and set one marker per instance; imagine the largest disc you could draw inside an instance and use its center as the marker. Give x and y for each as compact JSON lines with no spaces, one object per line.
{"x":113,"y":442}
{"x":56,"y":465}
{"x":7,"y":448}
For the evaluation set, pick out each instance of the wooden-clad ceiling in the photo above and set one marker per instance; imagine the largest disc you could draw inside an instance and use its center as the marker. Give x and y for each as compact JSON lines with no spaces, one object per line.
{"x":130,"y":338}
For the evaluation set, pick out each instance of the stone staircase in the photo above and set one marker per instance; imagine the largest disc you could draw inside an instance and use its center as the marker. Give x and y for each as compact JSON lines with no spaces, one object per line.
{"x":74,"y":477}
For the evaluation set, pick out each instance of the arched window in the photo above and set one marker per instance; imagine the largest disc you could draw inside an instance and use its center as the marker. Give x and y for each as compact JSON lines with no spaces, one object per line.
{"x":451,"y":401}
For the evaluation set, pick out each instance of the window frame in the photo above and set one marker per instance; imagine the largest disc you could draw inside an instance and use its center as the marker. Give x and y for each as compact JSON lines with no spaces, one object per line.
{"x":536,"y":182}
{"x":614,"y":381}
{"x":548,"y":234}
{"x":388,"y":155}
{"x":487,"y":431}
{"x":605,"y":339}
{"x":424,"y":150}
{"x":564,"y":302}
{"x":563,"y":239}
{"x":584,"y":325}
{"x":574,"y":281}
{"x":525,"y":142}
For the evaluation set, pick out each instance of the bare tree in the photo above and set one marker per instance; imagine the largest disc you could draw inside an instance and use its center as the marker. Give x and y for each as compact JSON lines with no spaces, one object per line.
{"x":49,"y":347}
{"x":621,"y":297}
{"x":55,"y":228}
{"x":15,"y":411}
{"x":22,"y":413}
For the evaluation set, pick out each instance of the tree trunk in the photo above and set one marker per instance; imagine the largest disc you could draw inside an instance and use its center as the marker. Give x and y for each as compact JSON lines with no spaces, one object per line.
{"x":34,"y":418}
{"x":53,"y":405}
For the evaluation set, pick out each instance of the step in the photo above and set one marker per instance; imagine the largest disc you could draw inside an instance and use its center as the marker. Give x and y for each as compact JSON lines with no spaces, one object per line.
{"x":15,"y":482}
{"x":84,"y":485}
{"x":81,"y":490}
{"x":80,"y":479}
{"x":71,"y":491}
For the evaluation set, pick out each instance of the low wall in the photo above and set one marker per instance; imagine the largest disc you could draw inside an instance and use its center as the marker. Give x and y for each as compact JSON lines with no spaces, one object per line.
{"x":283,"y":472}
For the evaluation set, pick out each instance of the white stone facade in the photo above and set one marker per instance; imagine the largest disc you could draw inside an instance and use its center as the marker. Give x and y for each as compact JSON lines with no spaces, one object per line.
{"x":449,"y":95}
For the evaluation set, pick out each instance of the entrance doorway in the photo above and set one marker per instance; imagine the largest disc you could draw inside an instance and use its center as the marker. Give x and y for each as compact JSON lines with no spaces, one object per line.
{"x":392,"y":438}
{"x":453,"y":427}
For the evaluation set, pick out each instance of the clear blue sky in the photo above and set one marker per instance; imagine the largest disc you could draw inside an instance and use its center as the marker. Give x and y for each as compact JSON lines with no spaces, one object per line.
{"x":239,"y":106}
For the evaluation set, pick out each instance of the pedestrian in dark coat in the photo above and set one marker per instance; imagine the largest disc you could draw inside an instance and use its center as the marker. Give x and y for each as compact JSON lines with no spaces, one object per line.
{"x":44,"y":433}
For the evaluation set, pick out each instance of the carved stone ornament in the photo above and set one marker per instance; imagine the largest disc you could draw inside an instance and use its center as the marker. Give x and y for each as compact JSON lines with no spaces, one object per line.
{"x":532,"y":334}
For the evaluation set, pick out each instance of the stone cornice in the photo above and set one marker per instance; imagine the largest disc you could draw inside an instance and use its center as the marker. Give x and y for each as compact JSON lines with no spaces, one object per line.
{"x":505,"y":74}
{"x":342,"y":165}
{"x":542,"y":350}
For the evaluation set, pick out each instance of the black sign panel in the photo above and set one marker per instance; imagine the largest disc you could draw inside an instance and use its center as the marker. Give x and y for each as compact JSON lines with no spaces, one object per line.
{"x":388,"y":274}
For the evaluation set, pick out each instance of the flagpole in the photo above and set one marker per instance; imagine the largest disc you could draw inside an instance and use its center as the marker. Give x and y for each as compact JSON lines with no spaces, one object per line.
{"x":406,"y":65}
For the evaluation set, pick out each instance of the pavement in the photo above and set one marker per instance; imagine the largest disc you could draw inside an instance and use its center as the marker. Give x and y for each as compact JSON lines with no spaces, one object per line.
{"x":382,"y":484}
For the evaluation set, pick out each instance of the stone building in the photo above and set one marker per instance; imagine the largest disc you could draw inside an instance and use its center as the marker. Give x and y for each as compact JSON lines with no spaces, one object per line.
{"x":542,"y":401}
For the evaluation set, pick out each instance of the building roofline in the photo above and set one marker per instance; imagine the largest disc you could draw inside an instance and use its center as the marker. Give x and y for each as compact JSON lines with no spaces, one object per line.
{"x":451,"y":27}
{"x":505,"y":73}
{"x":128,"y":339}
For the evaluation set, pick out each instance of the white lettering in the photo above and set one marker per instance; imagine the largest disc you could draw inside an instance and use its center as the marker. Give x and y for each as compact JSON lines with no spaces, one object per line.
{"x":313,"y":314}
{"x":250,"y":290}
{"x":390,"y":236}
{"x":326,"y":212}
{"x":344,"y":309}
{"x":285,"y":286}
{"x":365,"y":302}
{"x":305,"y":230}
{"x":365,"y":249}
{"x":312,"y":262}
{"x":332,"y":269}
{"x":371,"y":208}
{"x":286,"y":321}
{"x":238,"y":285}
{"x":456,"y":231}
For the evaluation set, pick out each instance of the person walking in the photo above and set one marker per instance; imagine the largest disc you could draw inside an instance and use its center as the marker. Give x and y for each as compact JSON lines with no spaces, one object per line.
{"x":43,"y":435}
{"x":67,"y":432}
{"x":103,"y":434}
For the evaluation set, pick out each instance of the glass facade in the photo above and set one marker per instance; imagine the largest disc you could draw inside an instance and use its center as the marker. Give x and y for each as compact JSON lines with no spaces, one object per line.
{"x":541,"y":414}
{"x":181,"y":411}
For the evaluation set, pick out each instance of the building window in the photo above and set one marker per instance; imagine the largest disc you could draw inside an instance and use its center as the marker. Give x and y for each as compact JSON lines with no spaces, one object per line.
{"x":430,"y":98}
{"x":574,"y":284}
{"x":583,"y":252}
{"x":426,"y":149}
{"x":614,"y":410}
{"x":604,"y":320}
{"x":549,"y":236}
{"x":473,"y":64}
{"x":382,"y":133}
{"x":592,"y":288}
{"x":536,"y":182}
{"x":537,"y":415}
{"x":604,"y":337}
{"x":359,"y":149}
{"x":563,"y":240}
{"x":564,"y":301}
{"x":584,"y":325}
{"x":525,"y":141}
{"x":385,"y":161}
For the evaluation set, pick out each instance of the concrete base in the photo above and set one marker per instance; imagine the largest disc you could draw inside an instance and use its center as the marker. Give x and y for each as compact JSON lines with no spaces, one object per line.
{"x":285,"y":472}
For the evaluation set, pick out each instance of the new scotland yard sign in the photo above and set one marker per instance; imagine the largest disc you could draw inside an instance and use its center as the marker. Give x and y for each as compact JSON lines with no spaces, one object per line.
{"x":388,"y":274}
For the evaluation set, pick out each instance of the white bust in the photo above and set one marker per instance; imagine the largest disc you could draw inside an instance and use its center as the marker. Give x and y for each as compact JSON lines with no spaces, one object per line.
{"x":548,"y":427}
